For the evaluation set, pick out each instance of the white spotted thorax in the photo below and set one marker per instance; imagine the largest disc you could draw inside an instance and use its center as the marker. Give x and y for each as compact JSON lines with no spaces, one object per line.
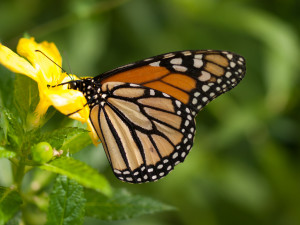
{"x":144,"y":112}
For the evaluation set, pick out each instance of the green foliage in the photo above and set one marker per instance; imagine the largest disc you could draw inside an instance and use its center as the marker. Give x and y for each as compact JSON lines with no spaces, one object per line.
{"x":66,"y":203}
{"x":79,"y":172}
{"x":4,"y":153}
{"x":25,"y":99}
{"x":121,"y":206}
{"x":74,"y":139}
{"x":12,"y":129}
{"x":10,"y":202}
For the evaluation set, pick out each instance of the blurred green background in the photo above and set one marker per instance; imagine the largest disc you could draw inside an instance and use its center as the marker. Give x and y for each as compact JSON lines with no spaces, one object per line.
{"x":244,"y":166}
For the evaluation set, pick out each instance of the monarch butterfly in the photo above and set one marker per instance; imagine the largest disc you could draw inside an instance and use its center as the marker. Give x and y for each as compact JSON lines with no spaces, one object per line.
{"x":144,"y":112}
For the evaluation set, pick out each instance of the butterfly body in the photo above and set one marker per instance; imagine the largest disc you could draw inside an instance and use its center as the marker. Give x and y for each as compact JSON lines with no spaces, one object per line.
{"x":144,"y":112}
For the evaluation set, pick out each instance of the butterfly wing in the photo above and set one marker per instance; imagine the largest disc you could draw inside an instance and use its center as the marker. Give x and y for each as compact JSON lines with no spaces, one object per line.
{"x":145,"y":132}
{"x":192,"y":77}
{"x":144,"y":112}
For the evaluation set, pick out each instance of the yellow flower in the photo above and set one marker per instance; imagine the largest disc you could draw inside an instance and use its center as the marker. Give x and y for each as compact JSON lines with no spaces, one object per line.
{"x":46,"y":73}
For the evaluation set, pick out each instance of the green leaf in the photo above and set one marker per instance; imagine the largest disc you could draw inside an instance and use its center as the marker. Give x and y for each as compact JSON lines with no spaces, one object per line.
{"x":79,"y":171}
{"x":6,"y":91}
{"x":25,"y":95}
{"x":72,"y":139}
{"x":6,"y":80}
{"x":76,"y":140}
{"x":12,"y":128}
{"x":10,"y":202}
{"x":16,"y":220}
{"x":66,"y":203}
{"x":122,"y":205}
{"x":55,"y":138}
{"x":3,"y":125}
{"x":4,"y":153}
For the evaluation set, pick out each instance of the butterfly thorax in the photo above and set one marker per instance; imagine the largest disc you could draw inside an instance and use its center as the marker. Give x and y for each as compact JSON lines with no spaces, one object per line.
{"x":90,"y":89}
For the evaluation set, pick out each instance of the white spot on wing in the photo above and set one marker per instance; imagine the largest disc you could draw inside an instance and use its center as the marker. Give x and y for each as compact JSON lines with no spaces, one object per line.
{"x":169,"y":55}
{"x":198,"y":63}
{"x":186,"y":123}
{"x":177,"y":61}
{"x":198,"y":56}
{"x":205,"y":88}
{"x":228,"y":74}
{"x":152,"y":92}
{"x":117,"y":171}
{"x":194,"y":101}
{"x":178,"y":103}
{"x":196,"y":94}
{"x":229,"y":56}
{"x":186,"y":53}
{"x":175,"y":155}
{"x":232,"y":64}
{"x":205,"y":76}
{"x":155,"y":63}
{"x":180,"y":68}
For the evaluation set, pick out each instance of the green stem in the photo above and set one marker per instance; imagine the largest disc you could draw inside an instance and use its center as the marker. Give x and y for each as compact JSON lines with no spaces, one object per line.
{"x":20,"y":172}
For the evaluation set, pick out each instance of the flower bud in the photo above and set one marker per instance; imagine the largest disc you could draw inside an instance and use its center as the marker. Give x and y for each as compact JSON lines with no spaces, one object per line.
{"x":42,"y":152}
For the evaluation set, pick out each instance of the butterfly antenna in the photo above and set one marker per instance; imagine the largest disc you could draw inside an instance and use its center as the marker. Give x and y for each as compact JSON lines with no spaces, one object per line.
{"x":56,"y":65}
{"x":51,"y":60}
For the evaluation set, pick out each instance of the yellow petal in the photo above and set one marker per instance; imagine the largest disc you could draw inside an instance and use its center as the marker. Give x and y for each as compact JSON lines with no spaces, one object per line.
{"x":39,"y":111}
{"x":42,"y":107}
{"x":50,"y":72}
{"x":15,"y":63}
{"x":92,"y":133}
{"x":69,"y":101}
